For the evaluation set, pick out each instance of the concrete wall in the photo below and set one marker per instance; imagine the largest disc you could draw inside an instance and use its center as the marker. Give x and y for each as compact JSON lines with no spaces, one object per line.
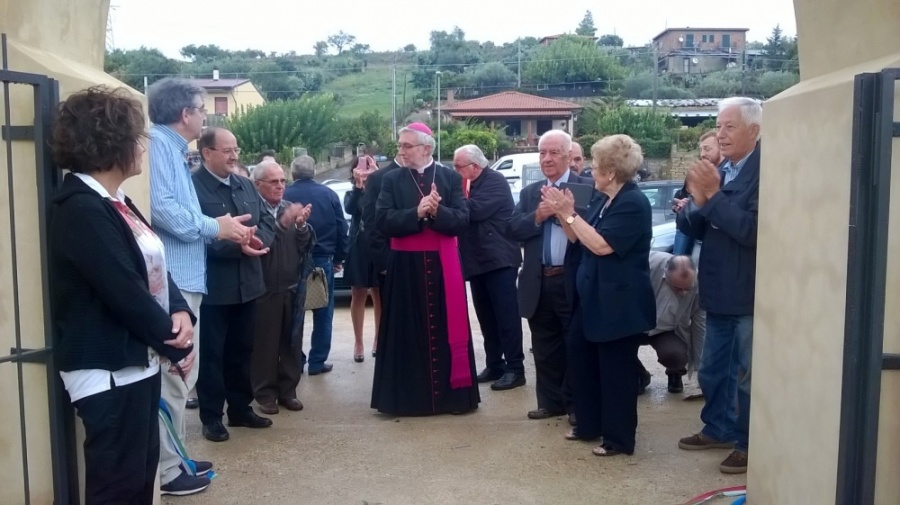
{"x":243,"y":97}
{"x":801,"y":277}
{"x":65,"y":40}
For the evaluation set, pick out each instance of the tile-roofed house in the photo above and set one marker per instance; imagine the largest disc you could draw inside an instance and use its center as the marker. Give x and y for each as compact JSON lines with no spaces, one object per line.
{"x":224,"y":97}
{"x":525,"y":117}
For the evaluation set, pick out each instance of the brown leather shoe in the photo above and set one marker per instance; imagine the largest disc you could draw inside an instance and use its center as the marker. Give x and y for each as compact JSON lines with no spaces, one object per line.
{"x":291,"y":404}
{"x":700,"y":442}
{"x":736,"y":462}
{"x":268,"y":408}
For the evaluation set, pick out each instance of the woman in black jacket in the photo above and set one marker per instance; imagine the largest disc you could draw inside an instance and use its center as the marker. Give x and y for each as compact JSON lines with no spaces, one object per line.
{"x":614,"y":301}
{"x":116,"y":314}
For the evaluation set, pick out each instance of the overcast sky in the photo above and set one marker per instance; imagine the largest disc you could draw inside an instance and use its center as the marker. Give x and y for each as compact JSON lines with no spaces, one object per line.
{"x":386,"y":25}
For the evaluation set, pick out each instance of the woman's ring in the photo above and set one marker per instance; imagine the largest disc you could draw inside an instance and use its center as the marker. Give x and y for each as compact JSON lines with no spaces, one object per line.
{"x":189,"y":342}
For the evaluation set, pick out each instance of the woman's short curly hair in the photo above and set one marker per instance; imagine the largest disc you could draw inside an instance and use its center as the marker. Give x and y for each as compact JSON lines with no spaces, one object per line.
{"x":96,"y":130}
{"x":618,"y":155}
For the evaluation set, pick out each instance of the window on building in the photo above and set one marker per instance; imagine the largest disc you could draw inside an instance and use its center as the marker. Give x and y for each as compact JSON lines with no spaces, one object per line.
{"x":221,"y":106}
{"x":726,"y":40}
{"x":687,"y":65}
{"x":689,"y":40}
{"x":712,"y":38}
{"x":703,"y":39}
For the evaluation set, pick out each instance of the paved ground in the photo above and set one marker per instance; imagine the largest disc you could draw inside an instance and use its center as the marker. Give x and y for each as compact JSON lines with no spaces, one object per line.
{"x":339,"y":451}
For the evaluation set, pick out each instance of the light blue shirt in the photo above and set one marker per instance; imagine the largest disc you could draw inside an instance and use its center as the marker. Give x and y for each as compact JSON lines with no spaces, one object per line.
{"x":175,"y":211}
{"x":733,"y":169}
{"x":558,"y":239}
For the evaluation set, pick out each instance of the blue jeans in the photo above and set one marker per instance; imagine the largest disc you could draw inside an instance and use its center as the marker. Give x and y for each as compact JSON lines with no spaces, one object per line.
{"x":320,"y":344}
{"x":683,"y":244}
{"x":725,"y":378}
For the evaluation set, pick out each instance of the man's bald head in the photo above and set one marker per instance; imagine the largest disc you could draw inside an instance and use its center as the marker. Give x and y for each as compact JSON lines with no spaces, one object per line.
{"x":681,"y":273}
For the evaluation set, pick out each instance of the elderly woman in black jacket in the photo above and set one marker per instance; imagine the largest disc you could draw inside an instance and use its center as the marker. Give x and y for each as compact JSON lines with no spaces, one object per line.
{"x":614,"y":300}
{"x":116,"y":314}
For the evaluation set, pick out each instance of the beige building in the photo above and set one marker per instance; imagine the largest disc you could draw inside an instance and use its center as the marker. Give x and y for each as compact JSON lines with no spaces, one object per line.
{"x":699,"y":50}
{"x":224,"y":97}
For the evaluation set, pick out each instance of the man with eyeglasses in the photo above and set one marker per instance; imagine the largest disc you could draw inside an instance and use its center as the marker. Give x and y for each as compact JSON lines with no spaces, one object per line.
{"x":177,"y":111}
{"x":680,"y":322}
{"x":234,"y":283}
{"x":277,"y":362}
{"x":425,"y":363}
{"x":490,"y":263}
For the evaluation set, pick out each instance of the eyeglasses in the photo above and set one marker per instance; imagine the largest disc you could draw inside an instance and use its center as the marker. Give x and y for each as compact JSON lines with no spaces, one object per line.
{"x":201,"y":108}
{"x":236,"y":150}
{"x":407,"y":147}
{"x":460,"y":167}
{"x":276,"y":181}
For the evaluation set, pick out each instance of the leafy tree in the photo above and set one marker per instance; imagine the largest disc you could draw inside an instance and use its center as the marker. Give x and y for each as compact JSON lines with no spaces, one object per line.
{"x":586,"y":26}
{"x":321,"y":48}
{"x":203,"y":53}
{"x":370,"y":128}
{"x":775,"y":49}
{"x":572,"y":59}
{"x":360,"y":49}
{"x":340,"y":40}
{"x":449,"y":53}
{"x":308,"y":122}
{"x":770,"y":84}
{"x":275,"y":83}
{"x":409,"y":48}
{"x":652,"y":130}
{"x":720,"y":84}
{"x":130,"y":66}
{"x":611,"y":40}
{"x":637,"y":85}
{"x":493,"y":74}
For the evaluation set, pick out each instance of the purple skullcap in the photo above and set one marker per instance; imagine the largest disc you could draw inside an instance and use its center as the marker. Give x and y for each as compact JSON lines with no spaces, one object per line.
{"x":420,"y":127}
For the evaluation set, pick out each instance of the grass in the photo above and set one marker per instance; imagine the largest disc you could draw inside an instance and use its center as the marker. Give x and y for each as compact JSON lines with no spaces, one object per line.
{"x":367,"y":91}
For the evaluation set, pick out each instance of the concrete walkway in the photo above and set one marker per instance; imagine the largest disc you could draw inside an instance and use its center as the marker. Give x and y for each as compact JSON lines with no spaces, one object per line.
{"x":339,"y":451}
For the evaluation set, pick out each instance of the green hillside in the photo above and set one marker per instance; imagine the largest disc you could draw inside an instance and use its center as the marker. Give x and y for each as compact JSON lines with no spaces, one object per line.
{"x":362,"y":92}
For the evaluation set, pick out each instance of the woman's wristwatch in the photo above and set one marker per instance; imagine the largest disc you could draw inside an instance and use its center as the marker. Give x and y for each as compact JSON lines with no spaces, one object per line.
{"x":571,"y":219}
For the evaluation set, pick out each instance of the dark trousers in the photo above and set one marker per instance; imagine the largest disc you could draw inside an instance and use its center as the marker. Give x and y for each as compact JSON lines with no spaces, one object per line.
{"x":603,"y":383}
{"x":277,"y":363}
{"x":121,"y":445}
{"x":226,"y":345}
{"x":671,"y":352}
{"x":549,"y":327}
{"x":494,"y":298}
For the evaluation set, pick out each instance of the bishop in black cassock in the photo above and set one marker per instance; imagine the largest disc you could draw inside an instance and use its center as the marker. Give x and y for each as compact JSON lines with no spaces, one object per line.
{"x":425,"y":360}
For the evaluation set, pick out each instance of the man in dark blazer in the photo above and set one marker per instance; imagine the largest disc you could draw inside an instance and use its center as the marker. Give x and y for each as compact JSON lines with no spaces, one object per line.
{"x":545,"y":281}
{"x":379,"y":247}
{"x":723,"y":213}
{"x":234,"y":281}
{"x":490,"y":262}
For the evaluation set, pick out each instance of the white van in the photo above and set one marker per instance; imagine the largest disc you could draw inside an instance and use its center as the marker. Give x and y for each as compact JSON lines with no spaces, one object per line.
{"x":512,"y":167}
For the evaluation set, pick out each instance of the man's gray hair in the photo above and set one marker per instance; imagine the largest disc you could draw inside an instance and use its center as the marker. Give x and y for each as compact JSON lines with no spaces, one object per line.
{"x":422,"y":137}
{"x":260,"y":169}
{"x":303,"y":168}
{"x":751,"y":109}
{"x":473,"y":154}
{"x":167,"y":98}
{"x":566,"y":138}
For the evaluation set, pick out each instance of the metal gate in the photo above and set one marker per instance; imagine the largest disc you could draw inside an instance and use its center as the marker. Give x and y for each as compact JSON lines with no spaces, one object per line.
{"x":874,"y":130}
{"x":45,"y":92}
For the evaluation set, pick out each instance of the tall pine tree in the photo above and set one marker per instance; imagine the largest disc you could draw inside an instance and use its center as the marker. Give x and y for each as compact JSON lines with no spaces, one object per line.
{"x":586,"y":26}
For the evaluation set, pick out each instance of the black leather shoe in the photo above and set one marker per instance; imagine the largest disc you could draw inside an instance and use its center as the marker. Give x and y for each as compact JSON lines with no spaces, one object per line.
{"x":192,"y":403}
{"x":675,"y":384}
{"x":542,"y":413}
{"x":509,"y":381}
{"x":643,"y":382}
{"x":488,"y":375}
{"x":215,"y":432}
{"x":251,"y":420}
{"x":327,"y":367}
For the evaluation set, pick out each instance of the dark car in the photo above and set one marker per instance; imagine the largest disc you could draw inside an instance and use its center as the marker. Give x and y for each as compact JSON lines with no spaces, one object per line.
{"x":661,"y":194}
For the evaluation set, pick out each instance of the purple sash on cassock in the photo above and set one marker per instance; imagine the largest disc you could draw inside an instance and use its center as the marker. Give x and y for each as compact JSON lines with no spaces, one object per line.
{"x":454,"y":295}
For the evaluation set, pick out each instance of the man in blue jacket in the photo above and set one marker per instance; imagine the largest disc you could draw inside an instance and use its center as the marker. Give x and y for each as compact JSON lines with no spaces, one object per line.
{"x":328,"y":222}
{"x":490,"y":263}
{"x":723,"y":214}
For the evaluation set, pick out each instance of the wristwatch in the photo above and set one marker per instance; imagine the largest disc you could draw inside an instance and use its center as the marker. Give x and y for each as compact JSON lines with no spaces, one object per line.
{"x":571,"y":219}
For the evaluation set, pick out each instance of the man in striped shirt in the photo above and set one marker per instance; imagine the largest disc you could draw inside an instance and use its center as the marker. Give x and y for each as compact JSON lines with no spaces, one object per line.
{"x":177,"y":111}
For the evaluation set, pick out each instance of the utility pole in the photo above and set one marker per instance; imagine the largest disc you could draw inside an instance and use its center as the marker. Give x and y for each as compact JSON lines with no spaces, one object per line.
{"x":743,"y":71}
{"x":655,"y":76}
{"x":394,"y":100}
{"x":519,"y":55}
{"x":145,"y":85}
{"x":438,"y":75}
